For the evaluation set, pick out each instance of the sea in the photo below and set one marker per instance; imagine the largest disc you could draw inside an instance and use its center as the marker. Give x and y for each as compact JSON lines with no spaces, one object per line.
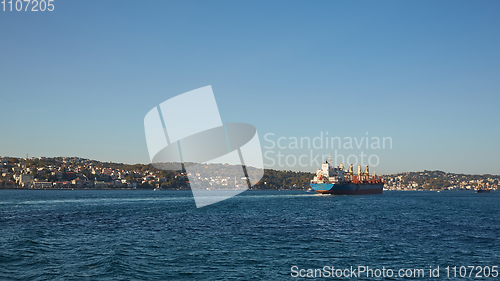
{"x":257,"y":235}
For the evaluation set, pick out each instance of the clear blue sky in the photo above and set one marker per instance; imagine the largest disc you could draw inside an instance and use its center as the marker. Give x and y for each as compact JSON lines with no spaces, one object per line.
{"x":78,"y":81}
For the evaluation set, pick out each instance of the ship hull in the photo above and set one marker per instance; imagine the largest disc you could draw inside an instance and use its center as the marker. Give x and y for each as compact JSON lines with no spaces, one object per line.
{"x":348,"y":189}
{"x":482,"y":191}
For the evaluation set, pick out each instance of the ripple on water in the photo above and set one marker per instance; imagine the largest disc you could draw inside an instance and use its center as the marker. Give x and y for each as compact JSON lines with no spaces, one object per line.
{"x":145,"y":235}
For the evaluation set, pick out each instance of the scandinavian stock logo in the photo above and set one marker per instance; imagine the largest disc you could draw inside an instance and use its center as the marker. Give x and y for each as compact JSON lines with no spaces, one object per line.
{"x":221,"y":160}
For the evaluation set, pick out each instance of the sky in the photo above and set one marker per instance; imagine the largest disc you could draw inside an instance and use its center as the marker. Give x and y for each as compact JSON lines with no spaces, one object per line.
{"x":79,"y":80}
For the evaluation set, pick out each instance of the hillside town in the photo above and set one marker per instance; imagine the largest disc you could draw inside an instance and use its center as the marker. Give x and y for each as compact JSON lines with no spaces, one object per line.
{"x":439,"y":180}
{"x":80,"y":173}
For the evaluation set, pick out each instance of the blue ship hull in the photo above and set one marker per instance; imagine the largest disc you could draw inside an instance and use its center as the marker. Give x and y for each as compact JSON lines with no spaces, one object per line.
{"x":348,"y":189}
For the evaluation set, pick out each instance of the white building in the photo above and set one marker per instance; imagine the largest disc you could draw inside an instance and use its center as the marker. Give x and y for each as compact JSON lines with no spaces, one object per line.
{"x":25,"y":178}
{"x":42,"y":184}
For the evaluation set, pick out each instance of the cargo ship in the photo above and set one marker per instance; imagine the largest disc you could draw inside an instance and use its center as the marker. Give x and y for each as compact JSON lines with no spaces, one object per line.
{"x":334,"y":180}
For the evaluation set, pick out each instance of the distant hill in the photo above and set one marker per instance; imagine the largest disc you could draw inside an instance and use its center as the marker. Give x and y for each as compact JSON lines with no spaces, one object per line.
{"x":438,"y":180}
{"x":75,"y":172}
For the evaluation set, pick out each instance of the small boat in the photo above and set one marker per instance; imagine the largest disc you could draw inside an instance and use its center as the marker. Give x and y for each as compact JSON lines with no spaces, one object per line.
{"x":484,"y":188}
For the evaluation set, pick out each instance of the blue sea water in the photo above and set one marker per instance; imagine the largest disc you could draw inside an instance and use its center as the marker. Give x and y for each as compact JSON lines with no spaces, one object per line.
{"x":258,"y":235}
